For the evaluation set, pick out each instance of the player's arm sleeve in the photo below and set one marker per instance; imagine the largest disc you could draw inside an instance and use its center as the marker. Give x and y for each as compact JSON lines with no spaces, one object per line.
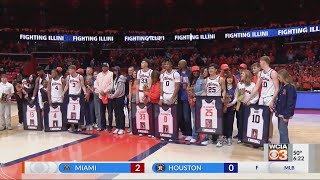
{"x":291,"y":102}
{"x":176,"y":84}
{"x":177,"y":77}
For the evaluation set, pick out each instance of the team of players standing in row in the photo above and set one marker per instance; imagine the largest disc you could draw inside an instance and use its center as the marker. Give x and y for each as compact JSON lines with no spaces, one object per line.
{"x":110,"y":90}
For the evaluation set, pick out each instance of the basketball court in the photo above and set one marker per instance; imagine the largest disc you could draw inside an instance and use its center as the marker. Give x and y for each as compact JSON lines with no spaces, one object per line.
{"x":20,"y":145}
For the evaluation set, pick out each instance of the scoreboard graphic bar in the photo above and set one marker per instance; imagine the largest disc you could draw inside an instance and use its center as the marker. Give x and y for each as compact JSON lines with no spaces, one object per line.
{"x":279,"y":158}
{"x":82,"y":167}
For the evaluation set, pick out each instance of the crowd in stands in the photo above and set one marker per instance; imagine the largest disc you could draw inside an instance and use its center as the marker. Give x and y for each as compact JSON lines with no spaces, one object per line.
{"x":64,"y":30}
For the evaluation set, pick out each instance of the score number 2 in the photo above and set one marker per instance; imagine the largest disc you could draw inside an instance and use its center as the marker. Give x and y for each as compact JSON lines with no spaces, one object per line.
{"x":137,"y":168}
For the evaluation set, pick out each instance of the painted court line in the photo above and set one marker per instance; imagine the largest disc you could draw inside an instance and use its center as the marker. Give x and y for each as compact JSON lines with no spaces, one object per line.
{"x":50,"y":150}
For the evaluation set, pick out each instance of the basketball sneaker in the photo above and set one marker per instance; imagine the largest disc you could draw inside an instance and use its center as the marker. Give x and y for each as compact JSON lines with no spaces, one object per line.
{"x":193,"y":140}
{"x":229,"y":142}
{"x":170,"y":140}
{"x":9,"y":127}
{"x":162,"y":139}
{"x":219,"y":143}
{"x":188,"y":138}
{"x":205,"y":142}
{"x":129,"y":131}
{"x":140,"y":135}
{"x":71,"y":129}
{"x":95,"y":125}
{"x":116,"y":131}
{"x":120,"y":132}
{"x":239,"y":141}
{"x":19,"y":125}
{"x":79,"y":129}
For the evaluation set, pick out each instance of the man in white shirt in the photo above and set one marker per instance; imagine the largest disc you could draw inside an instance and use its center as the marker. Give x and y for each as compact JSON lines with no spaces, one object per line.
{"x":6,"y":91}
{"x":104,"y":85}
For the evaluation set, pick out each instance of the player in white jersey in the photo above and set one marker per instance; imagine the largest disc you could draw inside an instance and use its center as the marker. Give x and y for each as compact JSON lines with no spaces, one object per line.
{"x":214,"y":85}
{"x":268,"y":78}
{"x":143,"y":80}
{"x":55,"y":88}
{"x":38,"y":85}
{"x":169,"y":85}
{"x":74,"y":84}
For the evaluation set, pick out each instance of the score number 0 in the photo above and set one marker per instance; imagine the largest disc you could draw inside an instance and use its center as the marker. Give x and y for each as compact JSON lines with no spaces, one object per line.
{"x":137,"y":168}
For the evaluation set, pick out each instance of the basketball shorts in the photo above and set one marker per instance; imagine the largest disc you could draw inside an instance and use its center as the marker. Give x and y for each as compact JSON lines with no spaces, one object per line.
{"x":141,"y":96}
{"x":167,"y":97}
{"x":265,"y":101}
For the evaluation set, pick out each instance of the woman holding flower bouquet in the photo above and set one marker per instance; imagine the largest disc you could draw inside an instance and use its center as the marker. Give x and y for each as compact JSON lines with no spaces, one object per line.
{"x":242,"y":93}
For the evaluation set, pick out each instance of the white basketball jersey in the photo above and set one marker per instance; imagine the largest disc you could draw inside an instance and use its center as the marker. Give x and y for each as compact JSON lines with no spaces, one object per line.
{"x":74,"y":85}
{"x":255,"y":124}
{"x":142,"y":118}
{"x":73,"y":111}
{"x":32,"y":116}
{"x":165,"y":119}
{"x":56,"y":90}
{"x":208,"y":116}
{"x":144,"y":77}
{"x":267,"y":84}
{"x":213,"y":86}
{"x":55,"y":117}
{"x":168,"y":81}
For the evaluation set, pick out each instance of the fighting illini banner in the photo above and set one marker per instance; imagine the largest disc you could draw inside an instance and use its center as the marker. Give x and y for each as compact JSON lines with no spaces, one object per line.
{"x":209,"y":114}
{"x":256,"y":124}
{"x":54,"y":117}
{"x":32,"y":117}
{"x":74,"y":109}
{"x":166,"y":123}
{"x":142,"y":119}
